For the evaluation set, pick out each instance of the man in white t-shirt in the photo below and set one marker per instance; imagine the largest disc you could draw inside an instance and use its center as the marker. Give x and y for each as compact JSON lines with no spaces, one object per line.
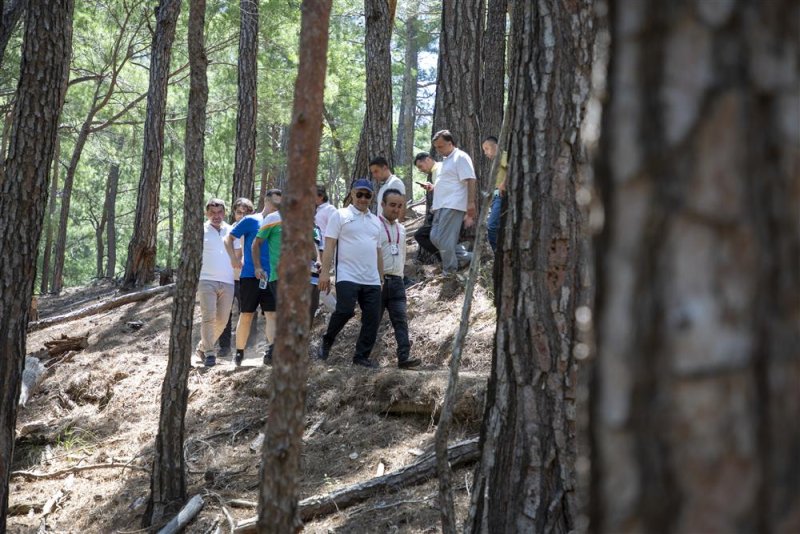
{"x":324,"y":210}
{"x":215,"y":288}
{"x":379,"y":169}
{"x":355,"y":232}
{"x":393,"y":295}
{"x":453,"y":201}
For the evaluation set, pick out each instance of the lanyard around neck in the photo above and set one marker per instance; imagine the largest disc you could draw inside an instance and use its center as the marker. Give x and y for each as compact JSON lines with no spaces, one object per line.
{"x":388,"y":235}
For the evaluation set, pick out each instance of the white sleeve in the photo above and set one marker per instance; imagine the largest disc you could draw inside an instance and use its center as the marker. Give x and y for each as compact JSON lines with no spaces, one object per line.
{"x":334,"y":225}
{"x":464,"y":167}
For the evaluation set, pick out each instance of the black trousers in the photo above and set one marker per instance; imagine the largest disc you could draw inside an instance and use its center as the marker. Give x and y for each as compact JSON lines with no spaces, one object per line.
{"x":423,"y":237}
{"x":369,"y":300}
{"x":393,"y":299}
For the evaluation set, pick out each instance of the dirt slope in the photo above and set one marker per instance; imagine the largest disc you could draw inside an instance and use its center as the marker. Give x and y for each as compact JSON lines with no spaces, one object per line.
{"x":102,"y":407}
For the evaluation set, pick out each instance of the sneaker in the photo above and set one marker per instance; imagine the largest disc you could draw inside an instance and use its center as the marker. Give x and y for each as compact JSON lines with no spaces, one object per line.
{"x":409,"y":363}
{"x":268,"y":355}
{"x":323,"y":351}
{"x":237,"y":360}
{"x":365,"y":362}
{"x":210,"y":360}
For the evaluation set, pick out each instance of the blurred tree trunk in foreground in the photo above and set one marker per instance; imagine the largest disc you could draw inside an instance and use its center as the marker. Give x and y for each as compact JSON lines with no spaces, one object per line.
{"x":695,"y":399}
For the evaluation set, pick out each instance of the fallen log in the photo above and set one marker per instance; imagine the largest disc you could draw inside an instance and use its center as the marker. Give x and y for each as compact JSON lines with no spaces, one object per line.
{"x":100,"y":307}
{"x":184,"y":517}
{"x":76,"y":469}
{"x":65,"y":343}
{"x":461,"y":453}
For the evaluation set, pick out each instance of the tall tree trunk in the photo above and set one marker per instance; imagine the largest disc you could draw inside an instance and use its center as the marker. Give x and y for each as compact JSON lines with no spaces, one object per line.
{"x":458,"y":77}
{"x":51,"y":211}
{"x":66,"y":198}
{"x":110,"y":211}
{"x":142,"y":248}
{"x":526,"y":481}
{"x":244,"y":164}
{"x":376,"y":133}
{"x":698,"y":291}
{"x":44,"y":71}
{"x":10,"y":13}
{"x":100,"y":253}
{"x":102,"y":229}
{"x":171,"y":215}
{"x":280,"y":471}
{"x":493,"y":77}
{"x":168,"y":479}
{"x":404,"y":147}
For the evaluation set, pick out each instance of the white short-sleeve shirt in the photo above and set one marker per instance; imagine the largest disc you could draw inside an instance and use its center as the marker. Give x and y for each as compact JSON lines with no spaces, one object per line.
{"x":393,"y":247}
{"x":216,"y":265}
{"x":323,"y":214}
{"x":450,"y":189}
{"x":358,"y":236}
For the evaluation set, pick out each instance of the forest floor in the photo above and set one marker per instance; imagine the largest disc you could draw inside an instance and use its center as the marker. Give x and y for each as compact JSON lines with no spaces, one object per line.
{"x":101,"y":405}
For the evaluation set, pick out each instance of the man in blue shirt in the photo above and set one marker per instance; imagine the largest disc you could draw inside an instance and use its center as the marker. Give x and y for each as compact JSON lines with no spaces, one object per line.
{"x":252,"y":295}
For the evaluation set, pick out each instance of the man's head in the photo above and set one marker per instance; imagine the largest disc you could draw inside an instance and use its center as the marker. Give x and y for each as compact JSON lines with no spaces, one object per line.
{"x":242,"y":208}
{"x":322,"y":195}
{"x":361,"y":194}
{"x":272,"y":200}
{"x":392,"y":204}
{"x":424,"y":162}
{"x":215,"y":212}
{"x":489,"y":147}
{"x":443,"y":142}
{"x":379,"y":169}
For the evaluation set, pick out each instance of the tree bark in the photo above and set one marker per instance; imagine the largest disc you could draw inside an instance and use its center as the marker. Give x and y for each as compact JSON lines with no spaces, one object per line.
{"x":376,"y":134}
{"x":698,"y":289}
{"x":168,"y":480}
{"x":51,"y":210}
{"x":42,"y":85}
{"x":493,"y":77}
{"x":141,"y":260}
{"x":171,"y":215}
{"x":458,"y":98}
{"x":110,"y":211}
{"x":527,"y":480}
{"x":280,"y":469}
{"x":244,"y":165}
{"x":404,"y":147}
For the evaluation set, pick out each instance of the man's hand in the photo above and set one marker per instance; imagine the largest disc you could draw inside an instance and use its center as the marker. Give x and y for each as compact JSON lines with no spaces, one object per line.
{"x":260,"y":273}
{"x":324,"y":282}
{"x":469,"y":219}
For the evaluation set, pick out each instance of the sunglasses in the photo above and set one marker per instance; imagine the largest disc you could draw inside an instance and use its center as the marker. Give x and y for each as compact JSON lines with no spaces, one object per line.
{"x":363,"y":194}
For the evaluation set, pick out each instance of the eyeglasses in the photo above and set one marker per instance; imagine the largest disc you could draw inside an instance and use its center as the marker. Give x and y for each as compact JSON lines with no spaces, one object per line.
{"x":364,"y":194}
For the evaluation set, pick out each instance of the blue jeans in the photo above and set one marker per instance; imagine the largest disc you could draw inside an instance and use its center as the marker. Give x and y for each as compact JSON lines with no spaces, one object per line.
{"x":494,"y":220}
{"x":369,"y":300}
{"x":393,"y":298}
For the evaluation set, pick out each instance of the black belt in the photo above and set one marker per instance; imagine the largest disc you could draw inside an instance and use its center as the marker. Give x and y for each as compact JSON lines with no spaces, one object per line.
{"x":391,"y":276}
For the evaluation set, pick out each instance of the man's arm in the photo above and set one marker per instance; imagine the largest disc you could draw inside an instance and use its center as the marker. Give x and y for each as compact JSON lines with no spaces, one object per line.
{"x":380,"y":263}
{"x":236,"y":262}
{"x":327,"y":258}
{"x":255,"y":251}
{"x":471,"y":209}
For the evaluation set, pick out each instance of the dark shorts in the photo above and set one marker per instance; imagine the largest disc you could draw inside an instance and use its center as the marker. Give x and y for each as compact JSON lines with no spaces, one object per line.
{"x":273,"y":290}
{"x":253,"y":296}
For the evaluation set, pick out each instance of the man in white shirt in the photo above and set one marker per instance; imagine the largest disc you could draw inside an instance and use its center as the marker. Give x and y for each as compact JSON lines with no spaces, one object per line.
{"x":356,"y":233}
{"x":426,"y":165}
{"x":324,"y":210}
{"x":453,"y":201}
{"x":393,"y":295}
{"x":215,"y":288}
{"x":379,"y":169}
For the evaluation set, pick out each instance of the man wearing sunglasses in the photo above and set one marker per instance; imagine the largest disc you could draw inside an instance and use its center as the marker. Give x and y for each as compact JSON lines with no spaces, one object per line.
{"x":355,"y":232}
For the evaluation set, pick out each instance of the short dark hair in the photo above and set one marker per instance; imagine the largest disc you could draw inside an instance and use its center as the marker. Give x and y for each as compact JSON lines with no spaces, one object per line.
{"x":380,"y":161}
{"x":243,"y":202}
{"x":443,"y":134}
{"x":391,"y":191}
{"x":490,"y":138}
{"x":322,"y":192}
{"x":420,"y":156}
{"x":274,"y":192}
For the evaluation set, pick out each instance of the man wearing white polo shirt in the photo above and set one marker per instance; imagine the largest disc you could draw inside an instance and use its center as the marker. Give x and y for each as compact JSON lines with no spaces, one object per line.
{"x":215,"y":289}
{"x":379,"y":169}
{"x":355,"y":232}
{"x":453,"y":201}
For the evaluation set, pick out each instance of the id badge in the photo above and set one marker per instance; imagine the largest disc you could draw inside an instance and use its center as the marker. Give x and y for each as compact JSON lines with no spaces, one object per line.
{"x":394,"y":249}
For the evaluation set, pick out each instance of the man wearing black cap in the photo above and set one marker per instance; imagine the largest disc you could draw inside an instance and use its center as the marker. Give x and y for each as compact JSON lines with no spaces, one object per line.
{"x":359,"y":271}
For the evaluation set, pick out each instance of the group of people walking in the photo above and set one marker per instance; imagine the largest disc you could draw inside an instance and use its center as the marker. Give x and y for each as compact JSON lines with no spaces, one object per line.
{"x":366,"y":250}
